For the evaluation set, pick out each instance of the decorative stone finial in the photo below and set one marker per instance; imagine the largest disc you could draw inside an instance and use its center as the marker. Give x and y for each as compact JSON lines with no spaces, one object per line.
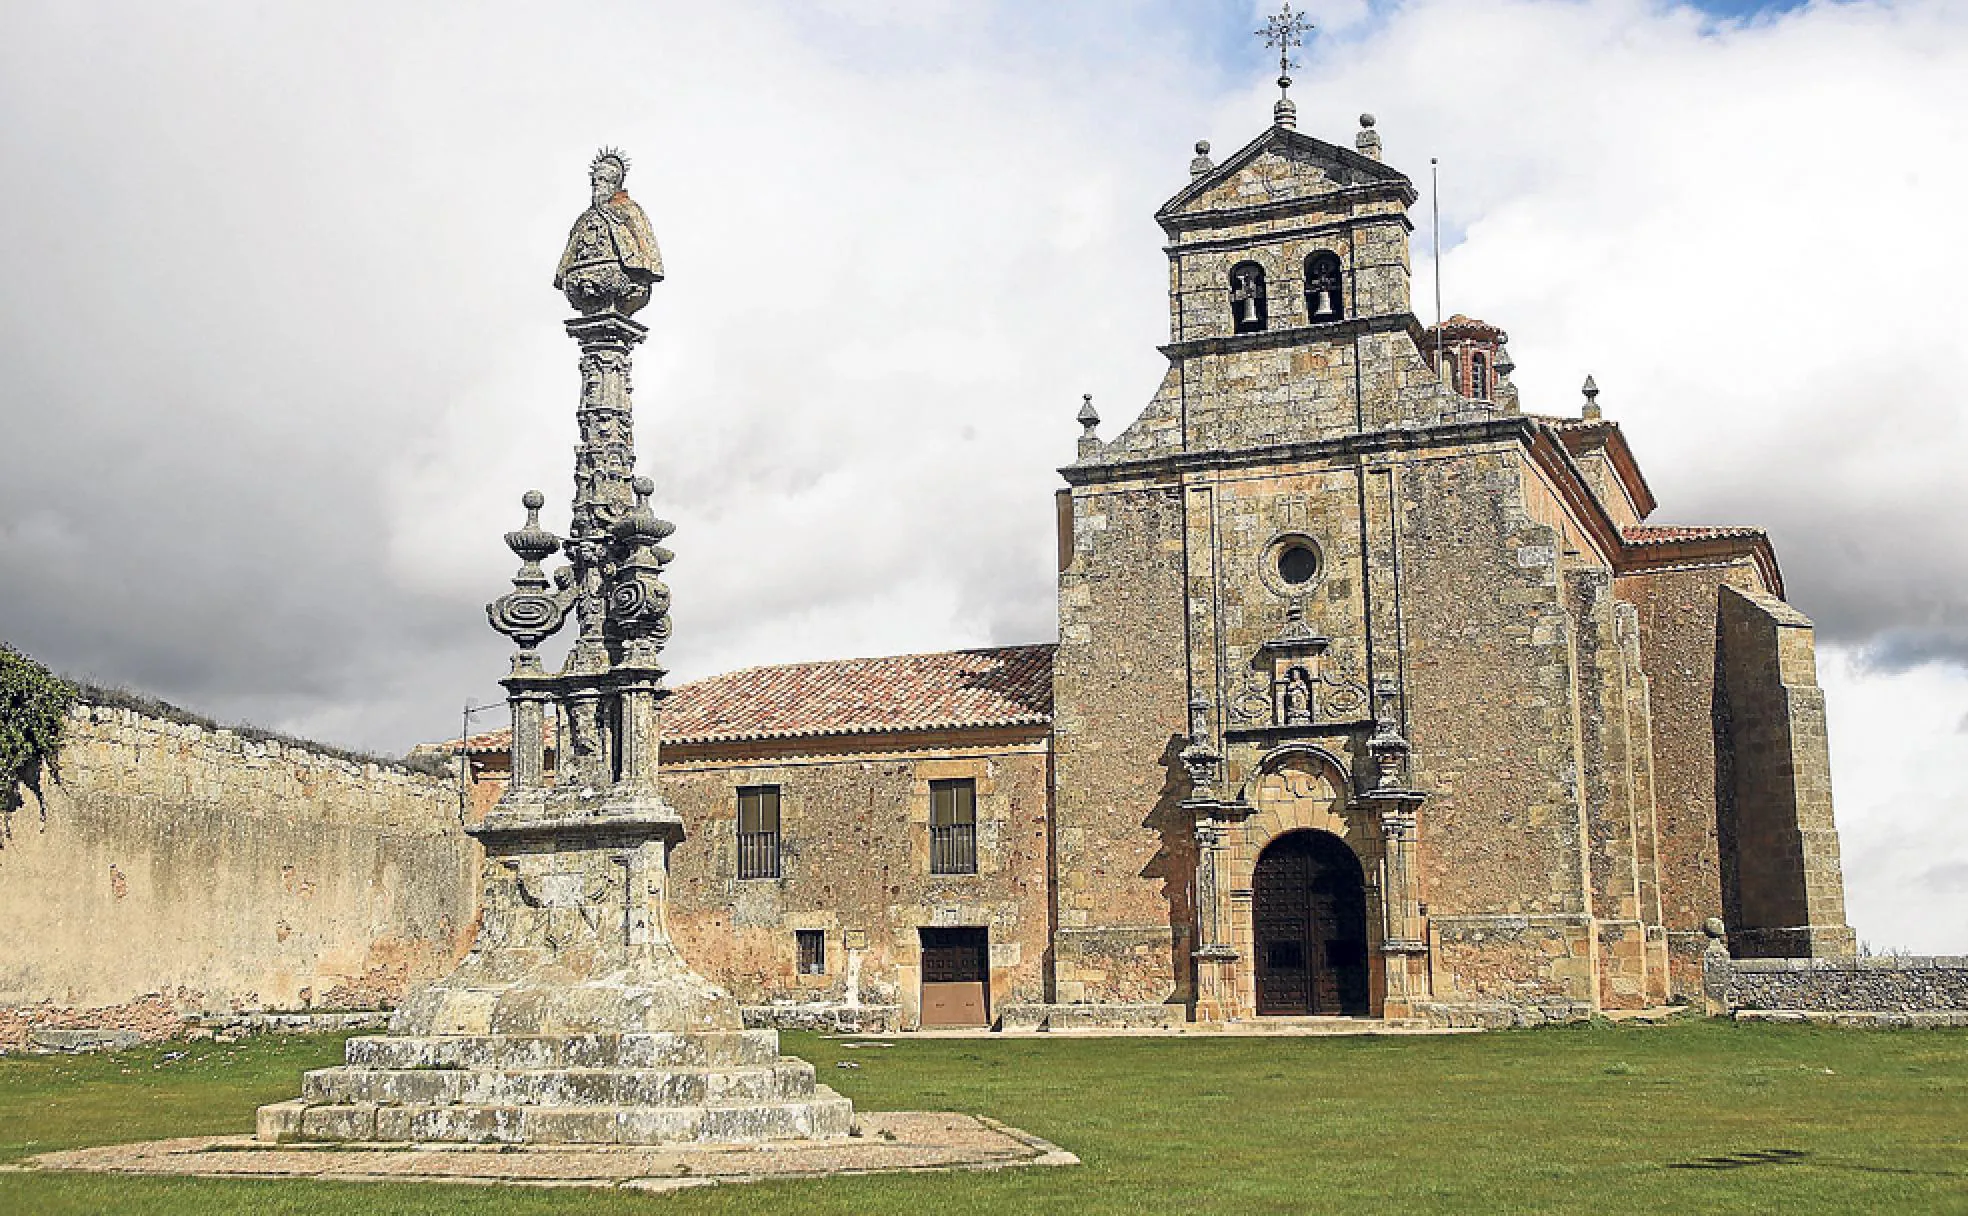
{"x":1089,"y":419}
{"x":1505,"y":364}
{"x":1200,"y":758}
{"x":611,"y":257}
{"x":1368,"y":140}
{"x":529,"y":613}
{"x":1202,"y":163}
{"x":1591,"y":390}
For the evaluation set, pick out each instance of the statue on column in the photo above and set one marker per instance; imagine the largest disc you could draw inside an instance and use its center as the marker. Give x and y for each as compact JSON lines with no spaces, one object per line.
{"x":611,"y":257}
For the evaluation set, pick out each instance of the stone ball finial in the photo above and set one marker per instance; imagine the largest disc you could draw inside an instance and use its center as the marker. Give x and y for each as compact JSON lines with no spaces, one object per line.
{"x":1202,"y":147}
{"x":532,"y":500}
{"x":1202,"y":163}
{"x":1367,"y":141}
{"x":1591,"y":411}
{"x":1714,"y":928}
{"x":643,"y":487}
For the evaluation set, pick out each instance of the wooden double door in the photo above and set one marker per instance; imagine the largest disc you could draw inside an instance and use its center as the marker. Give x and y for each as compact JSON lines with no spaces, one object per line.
{"x":1309,"y":920}
{"x":956,"y":977}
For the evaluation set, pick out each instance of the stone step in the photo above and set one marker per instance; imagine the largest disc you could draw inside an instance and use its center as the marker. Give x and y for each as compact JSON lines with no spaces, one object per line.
{"x":708,"y":1049}
{"x":826,"y":1114}
{"x":785,"y":1080}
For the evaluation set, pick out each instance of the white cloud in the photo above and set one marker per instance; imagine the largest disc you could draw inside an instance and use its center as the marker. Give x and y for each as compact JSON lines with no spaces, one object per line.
{"x":280,"y":354}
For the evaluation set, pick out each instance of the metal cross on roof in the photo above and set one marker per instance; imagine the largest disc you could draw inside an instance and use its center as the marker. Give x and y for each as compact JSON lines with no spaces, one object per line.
{"x":1285,"y":29}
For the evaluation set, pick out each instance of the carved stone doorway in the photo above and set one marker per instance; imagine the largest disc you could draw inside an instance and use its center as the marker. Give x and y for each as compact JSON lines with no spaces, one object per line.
{"x":1309,"y":921}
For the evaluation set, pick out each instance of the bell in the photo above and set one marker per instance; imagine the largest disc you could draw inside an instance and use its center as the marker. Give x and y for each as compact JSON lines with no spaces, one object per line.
{"x":1323,"y":308}
{"x":1250,"y":309}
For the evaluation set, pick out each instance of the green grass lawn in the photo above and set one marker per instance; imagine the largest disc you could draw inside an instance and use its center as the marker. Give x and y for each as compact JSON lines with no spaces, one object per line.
{"x":1690,"y":1117}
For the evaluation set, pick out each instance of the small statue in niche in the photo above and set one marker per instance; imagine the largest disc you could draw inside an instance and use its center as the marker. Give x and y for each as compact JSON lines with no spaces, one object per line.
{"x":611,"y":257}
{"x":1298,"y":697}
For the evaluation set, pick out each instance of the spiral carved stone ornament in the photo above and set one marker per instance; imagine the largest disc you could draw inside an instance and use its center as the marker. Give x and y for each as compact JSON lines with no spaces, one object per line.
{"x":529,"y":613}
{"x":527,"y":617}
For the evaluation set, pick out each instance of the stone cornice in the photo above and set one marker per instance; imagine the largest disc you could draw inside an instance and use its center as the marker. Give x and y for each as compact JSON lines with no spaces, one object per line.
{"x":1299,"y":335}
{"x":1509,"y":427}
{"x":1273,"y":236}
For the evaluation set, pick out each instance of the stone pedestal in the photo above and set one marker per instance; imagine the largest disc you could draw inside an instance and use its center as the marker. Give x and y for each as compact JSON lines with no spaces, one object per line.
{"x":573,"y":1020}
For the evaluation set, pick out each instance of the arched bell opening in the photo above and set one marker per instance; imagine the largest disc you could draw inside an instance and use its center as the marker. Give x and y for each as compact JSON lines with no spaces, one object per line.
{"x":1250,"y":310}
{"x":1309,"y":927}
{"x":1323,"y":299}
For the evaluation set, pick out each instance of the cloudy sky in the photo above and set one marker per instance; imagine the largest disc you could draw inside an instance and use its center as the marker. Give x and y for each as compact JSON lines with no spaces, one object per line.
{"x":278,"y":350}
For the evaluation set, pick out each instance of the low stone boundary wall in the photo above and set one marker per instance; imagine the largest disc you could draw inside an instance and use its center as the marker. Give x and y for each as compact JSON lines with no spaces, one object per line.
{"x":826,"y":1017}
{"x":1483,"y":1015}
{"x":1879,"y":986}
{"x":88,"y":1030}
{"x":1090,"y":1017}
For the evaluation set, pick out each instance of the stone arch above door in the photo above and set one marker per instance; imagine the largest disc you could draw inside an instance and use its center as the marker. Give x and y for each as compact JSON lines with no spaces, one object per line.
{"x":1300,"y":787}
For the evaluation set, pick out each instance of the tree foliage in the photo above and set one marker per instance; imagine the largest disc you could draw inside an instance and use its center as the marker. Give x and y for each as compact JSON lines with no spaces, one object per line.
{"x":34,"y":705}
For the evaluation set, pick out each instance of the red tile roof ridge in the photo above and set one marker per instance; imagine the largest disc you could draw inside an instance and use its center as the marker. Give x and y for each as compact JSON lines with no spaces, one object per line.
{"x":1663,"y":534}
{"x":970,"y":688}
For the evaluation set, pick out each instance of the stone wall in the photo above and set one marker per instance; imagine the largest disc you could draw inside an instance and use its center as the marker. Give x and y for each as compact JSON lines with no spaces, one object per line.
{"x":1120,"y":687}
{"x":855,"y":865}
{"x":1881,"y":985}
{"x":174,"y":870}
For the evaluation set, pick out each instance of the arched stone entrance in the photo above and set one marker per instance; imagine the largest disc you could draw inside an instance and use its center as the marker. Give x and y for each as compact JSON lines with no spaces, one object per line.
{"x":1309,"y":925}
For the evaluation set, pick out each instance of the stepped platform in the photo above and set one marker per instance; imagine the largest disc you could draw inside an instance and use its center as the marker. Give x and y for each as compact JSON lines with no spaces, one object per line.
{"x":729,"y":1087}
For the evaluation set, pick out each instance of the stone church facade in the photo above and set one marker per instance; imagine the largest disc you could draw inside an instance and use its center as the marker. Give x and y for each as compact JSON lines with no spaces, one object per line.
{"x":1374,"y":695}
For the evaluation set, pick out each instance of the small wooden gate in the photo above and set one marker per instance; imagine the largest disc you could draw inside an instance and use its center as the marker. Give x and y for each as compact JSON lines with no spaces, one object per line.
{"x":956,"y":977}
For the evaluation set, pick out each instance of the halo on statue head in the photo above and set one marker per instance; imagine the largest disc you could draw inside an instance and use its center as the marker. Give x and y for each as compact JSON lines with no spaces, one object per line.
{"x":607,"y":156}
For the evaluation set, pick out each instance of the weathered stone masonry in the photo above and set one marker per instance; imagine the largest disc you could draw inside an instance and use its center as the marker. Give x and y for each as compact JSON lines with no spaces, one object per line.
{"x":176,"y":870}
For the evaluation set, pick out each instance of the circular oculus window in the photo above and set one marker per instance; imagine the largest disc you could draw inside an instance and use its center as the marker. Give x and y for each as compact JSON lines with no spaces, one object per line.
{"x":1297,"y":565}
{"x":1291,"y":564}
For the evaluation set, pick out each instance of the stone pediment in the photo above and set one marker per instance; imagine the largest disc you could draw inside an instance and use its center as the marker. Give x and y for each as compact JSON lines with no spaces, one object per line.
{"x":1279,"y":166}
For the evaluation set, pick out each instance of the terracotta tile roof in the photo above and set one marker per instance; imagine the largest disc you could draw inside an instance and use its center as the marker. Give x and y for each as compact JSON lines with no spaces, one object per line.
{"x":949,"y":690}
{"x":1647,"y":534}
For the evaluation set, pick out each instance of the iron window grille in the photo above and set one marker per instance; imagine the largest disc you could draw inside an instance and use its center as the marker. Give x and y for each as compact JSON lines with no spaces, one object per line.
{"x":758,"y":831}
{"x":812,"y":951}
{"x":953,"y":826}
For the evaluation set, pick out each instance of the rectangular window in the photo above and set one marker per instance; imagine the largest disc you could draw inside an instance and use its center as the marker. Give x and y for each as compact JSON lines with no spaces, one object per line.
{"x":812,"y":951}
{"x":758,"y":831}
{"x":953,"y":827}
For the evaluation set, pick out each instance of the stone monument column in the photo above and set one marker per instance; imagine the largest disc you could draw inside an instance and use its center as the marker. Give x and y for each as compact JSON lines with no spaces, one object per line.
{"x":574,"y":1019}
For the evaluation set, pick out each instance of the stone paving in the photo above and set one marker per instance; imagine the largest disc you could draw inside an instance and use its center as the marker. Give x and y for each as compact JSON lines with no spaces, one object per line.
{"x":889,"y":1142}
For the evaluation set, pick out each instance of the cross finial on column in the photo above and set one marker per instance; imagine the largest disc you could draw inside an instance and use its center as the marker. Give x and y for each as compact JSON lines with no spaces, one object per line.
{"x":1284,"y":30}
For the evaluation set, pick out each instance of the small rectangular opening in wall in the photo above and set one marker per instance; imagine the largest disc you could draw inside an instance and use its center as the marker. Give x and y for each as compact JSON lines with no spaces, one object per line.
{"x":758,"y":831}
{"x":812,"y":951}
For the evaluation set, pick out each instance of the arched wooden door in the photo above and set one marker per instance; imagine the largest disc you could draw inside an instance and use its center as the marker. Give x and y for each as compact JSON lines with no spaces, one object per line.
{"x":1309,"y":917}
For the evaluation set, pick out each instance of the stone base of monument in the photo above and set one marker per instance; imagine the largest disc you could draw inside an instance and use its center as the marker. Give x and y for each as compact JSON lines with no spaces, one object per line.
{"x":694,"y":1088}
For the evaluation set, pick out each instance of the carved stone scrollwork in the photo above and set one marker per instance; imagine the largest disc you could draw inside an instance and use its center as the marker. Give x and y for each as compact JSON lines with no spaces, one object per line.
{"x":529,"y":614}
{"x":1345,"y":692}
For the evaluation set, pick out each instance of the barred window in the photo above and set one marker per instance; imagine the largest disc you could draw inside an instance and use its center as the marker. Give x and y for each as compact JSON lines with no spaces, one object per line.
{"x":812,"y":951}
{"x":758,"y":831}
{"x":953,"y":827}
